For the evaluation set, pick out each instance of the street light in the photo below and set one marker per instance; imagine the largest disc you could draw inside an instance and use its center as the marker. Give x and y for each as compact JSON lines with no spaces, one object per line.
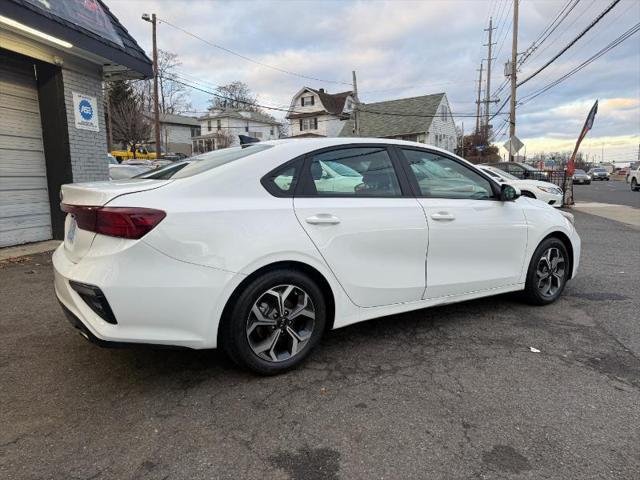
{"x":156,"y":114}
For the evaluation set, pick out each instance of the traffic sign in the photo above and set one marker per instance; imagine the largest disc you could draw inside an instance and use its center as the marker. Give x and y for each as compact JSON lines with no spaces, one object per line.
{"x":513,"y":145}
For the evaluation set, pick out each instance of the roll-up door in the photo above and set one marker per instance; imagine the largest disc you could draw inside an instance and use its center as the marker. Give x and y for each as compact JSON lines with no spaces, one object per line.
{"x":24,"y":201}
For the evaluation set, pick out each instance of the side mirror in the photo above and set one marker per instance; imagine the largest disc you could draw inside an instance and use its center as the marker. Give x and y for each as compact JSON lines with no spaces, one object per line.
{"x":508,"y":193}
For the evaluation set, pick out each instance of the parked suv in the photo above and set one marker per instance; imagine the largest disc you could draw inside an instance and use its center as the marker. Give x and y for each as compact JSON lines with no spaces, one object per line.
{"x":520,"y":170}
{"x":598,"y":173}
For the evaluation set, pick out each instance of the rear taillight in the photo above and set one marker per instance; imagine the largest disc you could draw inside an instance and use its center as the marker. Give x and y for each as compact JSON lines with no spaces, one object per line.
{"x":123,"y":222}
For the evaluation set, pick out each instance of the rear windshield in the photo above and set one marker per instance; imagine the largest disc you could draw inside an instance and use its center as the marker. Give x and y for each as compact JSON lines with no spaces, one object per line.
{"x":207,"y":161}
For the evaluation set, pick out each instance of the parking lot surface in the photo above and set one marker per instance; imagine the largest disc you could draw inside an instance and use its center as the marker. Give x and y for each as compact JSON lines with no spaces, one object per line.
{"x":484,"y":389}
{"x":615,"y":192}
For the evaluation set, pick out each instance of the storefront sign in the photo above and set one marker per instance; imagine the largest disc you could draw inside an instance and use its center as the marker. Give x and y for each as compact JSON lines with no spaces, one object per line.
{"x":85,"y":110}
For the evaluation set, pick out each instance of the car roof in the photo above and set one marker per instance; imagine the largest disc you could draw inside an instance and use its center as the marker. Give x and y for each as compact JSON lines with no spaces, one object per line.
{"x":322,"y":142}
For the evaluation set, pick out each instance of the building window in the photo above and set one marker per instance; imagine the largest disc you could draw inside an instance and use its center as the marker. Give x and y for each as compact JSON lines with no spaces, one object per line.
{"x":271,"y":132}
{"x":308,"y":123}
{"x":219,"y":124}
{"x":246,"y":129}
{"x":306,"y":101}
{"x":208,"y":125}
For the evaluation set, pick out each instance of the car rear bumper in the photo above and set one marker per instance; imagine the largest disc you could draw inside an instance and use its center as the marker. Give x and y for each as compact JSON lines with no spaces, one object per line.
{"x":154,"y":299}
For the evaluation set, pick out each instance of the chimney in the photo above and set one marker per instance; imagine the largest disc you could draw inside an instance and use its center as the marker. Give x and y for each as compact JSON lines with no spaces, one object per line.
{"x":321,"y":90}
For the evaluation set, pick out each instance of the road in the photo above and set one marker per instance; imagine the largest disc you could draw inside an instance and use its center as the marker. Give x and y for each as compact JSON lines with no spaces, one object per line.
{"x":616,"y":192}
{"x":452,"y":392}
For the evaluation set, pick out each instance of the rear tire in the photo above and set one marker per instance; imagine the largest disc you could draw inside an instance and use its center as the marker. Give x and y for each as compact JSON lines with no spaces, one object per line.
{"x":548,"y":272}
{"x":275,"y":322}
{"x":634,"y":184}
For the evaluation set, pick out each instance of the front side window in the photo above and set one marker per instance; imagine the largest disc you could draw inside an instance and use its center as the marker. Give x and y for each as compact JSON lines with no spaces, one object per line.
{"x":442,"y":177}
{"x":358,"y":171}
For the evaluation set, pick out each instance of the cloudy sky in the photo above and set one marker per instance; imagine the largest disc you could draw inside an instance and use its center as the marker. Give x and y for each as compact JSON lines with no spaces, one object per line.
{"x":408,"y":48}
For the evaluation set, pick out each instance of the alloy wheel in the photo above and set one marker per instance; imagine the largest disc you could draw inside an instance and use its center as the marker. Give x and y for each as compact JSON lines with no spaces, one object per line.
{"x":280,"y":323}
{"x":550,"y":272}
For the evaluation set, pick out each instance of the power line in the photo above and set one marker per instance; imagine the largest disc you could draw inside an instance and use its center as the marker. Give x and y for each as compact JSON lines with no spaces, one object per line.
{"x":590,"y":60}
{"x":548,"y":31}
{"x":570,"y":44}
{"x":564,"y":31}
{"x":248,"y":59}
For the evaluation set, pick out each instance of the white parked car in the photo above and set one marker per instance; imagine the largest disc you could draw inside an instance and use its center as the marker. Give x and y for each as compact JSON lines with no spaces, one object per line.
{"x":545,"y":191}
{"x":222,"y":253}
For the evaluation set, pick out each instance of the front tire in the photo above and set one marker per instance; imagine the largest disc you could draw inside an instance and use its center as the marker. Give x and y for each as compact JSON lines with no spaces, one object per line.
{"x":548,"y":272}
{"x":275,"y":322}
{"x":634,"y":184}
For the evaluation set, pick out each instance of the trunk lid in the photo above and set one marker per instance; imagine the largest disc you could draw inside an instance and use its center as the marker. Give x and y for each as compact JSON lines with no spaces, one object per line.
{"x":77,"y":242}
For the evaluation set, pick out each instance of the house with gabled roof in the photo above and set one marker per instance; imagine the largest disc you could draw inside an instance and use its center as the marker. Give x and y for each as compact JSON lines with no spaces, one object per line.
{"x":317,"y":113}
{"x":424,"y":119}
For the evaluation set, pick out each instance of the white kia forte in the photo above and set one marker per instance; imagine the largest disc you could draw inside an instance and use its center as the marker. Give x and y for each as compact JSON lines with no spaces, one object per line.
{"x":260,"y":250}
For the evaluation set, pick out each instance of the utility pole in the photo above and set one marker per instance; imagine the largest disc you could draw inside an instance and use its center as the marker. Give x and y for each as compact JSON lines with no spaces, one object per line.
{"x":478,"y":102}
{"x":487,"y":94}
{"x":156,"y":112}
{"x":356,"y":104}
{"x":462,"y":142}
{"x":514,"y":62}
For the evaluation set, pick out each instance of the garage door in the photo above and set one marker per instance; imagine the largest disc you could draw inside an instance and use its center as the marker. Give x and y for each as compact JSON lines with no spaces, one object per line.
{"x":24,"y":200}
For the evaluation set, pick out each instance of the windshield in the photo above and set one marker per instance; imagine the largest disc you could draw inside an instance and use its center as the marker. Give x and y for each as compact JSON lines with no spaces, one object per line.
{"x":580,"y":172}
{"x":207,"y":161}
{"x":164,"y":173}
{"x":500,"y":173}
{"x":599,"y":170}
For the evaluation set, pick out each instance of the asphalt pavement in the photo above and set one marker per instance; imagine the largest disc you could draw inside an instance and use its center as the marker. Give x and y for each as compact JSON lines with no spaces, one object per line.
{"x":487,"y":389}
{"x":613,"y":191}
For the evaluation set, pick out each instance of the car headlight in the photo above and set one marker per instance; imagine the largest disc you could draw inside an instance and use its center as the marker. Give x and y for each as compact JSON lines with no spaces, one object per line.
{"x":568,"y":216}
{"x":549,"y":190}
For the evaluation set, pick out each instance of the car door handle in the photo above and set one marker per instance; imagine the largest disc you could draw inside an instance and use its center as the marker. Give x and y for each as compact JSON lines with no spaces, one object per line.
{"x":323,"y":219}
{"x":443,"y":216}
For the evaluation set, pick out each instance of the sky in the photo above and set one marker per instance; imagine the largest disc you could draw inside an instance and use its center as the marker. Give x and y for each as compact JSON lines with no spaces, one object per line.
{"x":407,"y":48}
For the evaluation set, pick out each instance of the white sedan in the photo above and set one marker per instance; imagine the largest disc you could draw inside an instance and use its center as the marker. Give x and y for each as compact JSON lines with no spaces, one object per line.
{"x":545,"y":191}
{"x":222,"y":252}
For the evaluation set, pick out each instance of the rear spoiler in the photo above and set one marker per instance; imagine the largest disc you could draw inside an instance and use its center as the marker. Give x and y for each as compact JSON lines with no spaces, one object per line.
{"x":245,"y":140}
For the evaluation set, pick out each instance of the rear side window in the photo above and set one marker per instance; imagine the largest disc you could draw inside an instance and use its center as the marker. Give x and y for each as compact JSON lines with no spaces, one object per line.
{"x":354,"y":171}
{"x":210,"y":160}
{"x":281,"y":182}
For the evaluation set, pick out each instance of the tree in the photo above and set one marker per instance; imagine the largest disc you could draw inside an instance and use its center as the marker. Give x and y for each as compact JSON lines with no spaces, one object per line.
{"x":130,"y":126}
{"x":173,"y":97}
{"x":236,"y":96}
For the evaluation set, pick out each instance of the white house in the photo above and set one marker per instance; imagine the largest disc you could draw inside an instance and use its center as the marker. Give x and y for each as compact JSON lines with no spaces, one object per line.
{"x":424,"y":119}
{"x":220,"y":128}
{"x":316,"y":113}
{"x":176,"y":132}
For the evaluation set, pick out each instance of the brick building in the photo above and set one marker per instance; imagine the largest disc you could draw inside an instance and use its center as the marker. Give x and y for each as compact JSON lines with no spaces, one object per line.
{"x":54,"y":57}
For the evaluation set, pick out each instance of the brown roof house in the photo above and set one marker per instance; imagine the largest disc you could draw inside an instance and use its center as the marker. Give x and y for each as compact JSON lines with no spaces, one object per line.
{"x":316,"y":113}
{"x":424,"y":119}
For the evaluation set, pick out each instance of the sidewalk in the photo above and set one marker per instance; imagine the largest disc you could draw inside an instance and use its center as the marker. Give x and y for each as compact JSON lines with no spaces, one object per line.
{"x":620,"y":213}
{"x":28,"y":249}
